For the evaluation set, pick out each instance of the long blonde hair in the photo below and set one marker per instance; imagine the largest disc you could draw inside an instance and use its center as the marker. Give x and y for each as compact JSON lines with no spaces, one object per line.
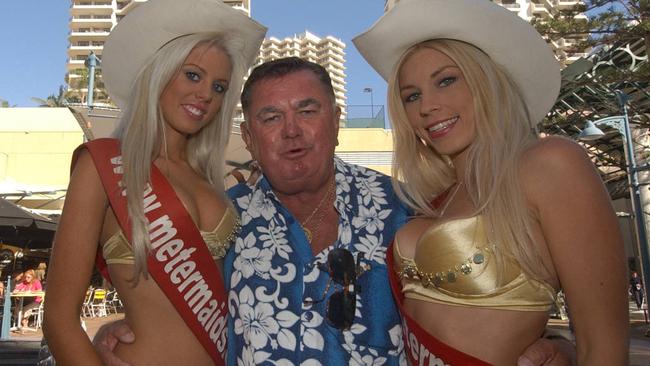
{"x":503,"y":133}
{"x":141,"y":127}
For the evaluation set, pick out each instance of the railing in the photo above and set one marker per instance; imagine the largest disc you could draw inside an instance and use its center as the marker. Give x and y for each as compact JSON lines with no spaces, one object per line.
{"x":365,"y":116}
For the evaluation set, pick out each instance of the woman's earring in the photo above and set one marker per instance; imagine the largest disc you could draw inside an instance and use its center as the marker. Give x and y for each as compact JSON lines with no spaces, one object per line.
{"x":422,"y":140}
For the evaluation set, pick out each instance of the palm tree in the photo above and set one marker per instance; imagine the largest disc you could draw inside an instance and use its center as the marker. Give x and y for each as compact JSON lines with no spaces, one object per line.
{"x":59,"y":100}
{"x":5,"y":104}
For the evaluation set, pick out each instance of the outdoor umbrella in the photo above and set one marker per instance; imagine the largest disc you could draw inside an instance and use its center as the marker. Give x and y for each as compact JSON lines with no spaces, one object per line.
{"x":23,"y":228}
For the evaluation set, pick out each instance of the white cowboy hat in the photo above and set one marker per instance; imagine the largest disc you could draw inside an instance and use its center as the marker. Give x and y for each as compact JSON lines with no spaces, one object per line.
{"x":137,"y":37}
{"x":510,"y":42}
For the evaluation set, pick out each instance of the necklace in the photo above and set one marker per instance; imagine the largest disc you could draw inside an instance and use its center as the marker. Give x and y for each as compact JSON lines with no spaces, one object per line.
{"x":452,"y":273}
{"x":450,"y":198}
{"x":308,"y":233}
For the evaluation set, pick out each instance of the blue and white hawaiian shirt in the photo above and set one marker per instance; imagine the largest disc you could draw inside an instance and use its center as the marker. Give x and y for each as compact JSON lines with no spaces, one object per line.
{"x":271,"y":271}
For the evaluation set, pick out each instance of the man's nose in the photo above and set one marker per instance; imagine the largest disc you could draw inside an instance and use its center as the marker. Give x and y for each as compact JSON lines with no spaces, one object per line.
{"x":292,"y":126}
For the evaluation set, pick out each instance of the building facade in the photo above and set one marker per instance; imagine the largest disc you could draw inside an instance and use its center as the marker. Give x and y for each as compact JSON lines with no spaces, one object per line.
{"x":326,"y":51}
{"x":36,"y":146}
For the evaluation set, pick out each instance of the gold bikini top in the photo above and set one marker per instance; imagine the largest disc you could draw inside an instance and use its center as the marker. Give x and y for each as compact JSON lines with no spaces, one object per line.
{"x":454,"y":264}
{"x":117,"y":249}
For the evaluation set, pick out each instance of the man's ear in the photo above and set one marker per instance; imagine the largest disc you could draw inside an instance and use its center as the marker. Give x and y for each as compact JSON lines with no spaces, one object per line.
{"x":337,"y":120}
{"x":245,"y":135}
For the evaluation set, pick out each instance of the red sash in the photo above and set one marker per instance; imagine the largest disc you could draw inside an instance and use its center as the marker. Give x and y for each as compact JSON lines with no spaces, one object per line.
{"x":179,"y":262}
{"x":422,"y":348}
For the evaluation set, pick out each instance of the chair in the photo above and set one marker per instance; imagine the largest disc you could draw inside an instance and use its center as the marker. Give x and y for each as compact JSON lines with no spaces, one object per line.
{"x":98,"y":303}
{"x":112,"y":302}
{"x":35,"y":317}
{"x":38,"y":314}
{"x":118,"y":303}
{"x":86,"y":310}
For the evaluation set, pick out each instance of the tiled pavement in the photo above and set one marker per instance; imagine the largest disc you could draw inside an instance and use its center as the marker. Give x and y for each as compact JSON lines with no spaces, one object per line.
{"x":22,"y":349}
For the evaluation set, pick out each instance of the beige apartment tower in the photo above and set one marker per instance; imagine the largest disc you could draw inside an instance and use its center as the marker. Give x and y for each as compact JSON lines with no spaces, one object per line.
{"x":326,"y":51}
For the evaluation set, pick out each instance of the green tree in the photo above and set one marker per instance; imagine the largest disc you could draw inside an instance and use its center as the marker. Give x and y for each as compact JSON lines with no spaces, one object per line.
{"x":5,"y":104}
{"x":53,"y":100}
{"x":80,"y":82}
{"x":609,"y":22}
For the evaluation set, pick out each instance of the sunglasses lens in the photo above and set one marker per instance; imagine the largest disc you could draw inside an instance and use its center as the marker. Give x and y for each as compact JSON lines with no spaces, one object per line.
{"x":340,"y":309}
{"x":341,"y":265}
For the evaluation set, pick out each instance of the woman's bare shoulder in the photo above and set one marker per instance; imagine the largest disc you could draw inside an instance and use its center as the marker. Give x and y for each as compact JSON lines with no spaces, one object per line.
{"x":553,"y":158}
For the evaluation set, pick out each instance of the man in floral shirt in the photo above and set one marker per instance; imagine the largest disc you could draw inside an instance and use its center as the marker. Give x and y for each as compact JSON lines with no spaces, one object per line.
{"x":306,"y":203}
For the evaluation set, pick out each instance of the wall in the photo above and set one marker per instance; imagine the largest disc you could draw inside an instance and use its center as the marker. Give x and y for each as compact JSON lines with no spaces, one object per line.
{"x":36,"y":145}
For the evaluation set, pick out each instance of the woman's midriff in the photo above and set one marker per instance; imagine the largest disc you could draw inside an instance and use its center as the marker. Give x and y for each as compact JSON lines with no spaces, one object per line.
{"x":161,"y":335}
{"x":495,"y":336}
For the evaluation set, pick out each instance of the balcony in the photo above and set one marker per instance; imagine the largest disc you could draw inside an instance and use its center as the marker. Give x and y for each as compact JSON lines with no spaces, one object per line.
{"x":94,"y":21}
{"x":340,"y":95}
{"x":335,"y":78}
{"x":563,"y":5}
{"x":540,"y":10}
{"x":85,"y":3}
{"x":83,"y":51}
{"x":78,"y":10}
{"x":85,"y":33}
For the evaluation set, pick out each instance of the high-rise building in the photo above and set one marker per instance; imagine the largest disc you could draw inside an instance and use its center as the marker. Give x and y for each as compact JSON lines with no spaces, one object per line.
{"x":529,"y":9}
{"x":326,"y":51}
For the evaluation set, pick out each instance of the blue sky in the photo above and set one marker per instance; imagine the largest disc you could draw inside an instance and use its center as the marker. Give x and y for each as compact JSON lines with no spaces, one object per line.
{"x":33,"y":55}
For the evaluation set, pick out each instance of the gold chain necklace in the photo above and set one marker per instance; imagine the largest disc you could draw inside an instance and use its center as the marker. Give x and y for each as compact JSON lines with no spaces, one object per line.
{"x":450,"y":275}
{"x":303,"y":224}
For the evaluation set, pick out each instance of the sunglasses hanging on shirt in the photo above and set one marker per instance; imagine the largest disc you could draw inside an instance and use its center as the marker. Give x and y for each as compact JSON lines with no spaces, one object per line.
{"x":342,"y":304}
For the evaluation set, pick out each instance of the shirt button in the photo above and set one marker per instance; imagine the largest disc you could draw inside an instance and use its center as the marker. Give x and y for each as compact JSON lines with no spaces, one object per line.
{"x":309,"y":316}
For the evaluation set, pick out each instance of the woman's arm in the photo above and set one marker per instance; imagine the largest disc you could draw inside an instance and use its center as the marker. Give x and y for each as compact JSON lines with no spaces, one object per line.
{"x":71,"y":264}
{"x":586,"y":248}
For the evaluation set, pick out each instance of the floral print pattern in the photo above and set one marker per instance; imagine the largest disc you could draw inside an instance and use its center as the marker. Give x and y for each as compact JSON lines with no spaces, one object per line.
{"x":271,"y":272}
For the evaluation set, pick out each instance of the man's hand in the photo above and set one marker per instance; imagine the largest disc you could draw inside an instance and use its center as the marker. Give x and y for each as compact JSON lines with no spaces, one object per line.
{"x":549,"y":352}
{"x":108,"y":337}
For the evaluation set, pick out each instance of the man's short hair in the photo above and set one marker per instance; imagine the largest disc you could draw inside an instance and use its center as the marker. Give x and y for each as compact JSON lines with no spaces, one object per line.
{"x":281,"y":67}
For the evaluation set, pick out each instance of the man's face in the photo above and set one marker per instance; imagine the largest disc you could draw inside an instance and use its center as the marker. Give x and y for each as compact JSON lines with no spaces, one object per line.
{"x":291,"y":129}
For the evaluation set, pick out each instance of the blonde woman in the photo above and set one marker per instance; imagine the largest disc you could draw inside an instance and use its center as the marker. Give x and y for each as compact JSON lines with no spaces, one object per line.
{"x":40,"y":272}
{"x":151,"y":200}
{"x":29,"y":283}
{"x":504,"y":219}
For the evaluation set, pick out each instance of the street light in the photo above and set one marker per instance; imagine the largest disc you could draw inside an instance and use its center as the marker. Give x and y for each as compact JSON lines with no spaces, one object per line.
{"x":622,"y":124}
{"x":372,"y":105}
{"x":91,"y":62}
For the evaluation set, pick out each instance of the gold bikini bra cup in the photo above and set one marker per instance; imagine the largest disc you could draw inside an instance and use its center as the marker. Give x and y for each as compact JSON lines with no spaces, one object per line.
{"x":436,"y":261}
{"x":457,"y":255}
{"x":218,"y":240}
{"x":117,"y":249}
{"x":455,"y":263}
